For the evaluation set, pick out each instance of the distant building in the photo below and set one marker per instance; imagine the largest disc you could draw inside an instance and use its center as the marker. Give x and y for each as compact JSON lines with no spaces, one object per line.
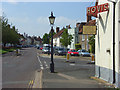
{"x":37,"y":41}
{"x":28,"y":40}
{"x":57,"y":36}
{"x":75,"y":40}
{"x":83,"y":40}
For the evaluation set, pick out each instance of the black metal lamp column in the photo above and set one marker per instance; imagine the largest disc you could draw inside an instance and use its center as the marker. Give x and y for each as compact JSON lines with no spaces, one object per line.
{"x":52,"y":19}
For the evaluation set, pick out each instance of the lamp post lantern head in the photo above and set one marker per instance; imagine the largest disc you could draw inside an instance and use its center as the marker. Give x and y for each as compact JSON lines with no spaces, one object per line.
{"x":52,"y":19}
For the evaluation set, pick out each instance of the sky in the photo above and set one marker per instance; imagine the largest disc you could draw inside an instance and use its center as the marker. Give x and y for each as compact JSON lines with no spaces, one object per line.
{"x":32,"y":17}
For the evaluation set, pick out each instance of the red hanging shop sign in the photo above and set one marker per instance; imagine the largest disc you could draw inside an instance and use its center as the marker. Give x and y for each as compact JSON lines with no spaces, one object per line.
{"x":93,"y":11}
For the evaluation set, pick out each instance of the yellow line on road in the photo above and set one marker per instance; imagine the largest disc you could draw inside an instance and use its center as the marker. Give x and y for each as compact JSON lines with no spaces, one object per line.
{"x":30,"y":85}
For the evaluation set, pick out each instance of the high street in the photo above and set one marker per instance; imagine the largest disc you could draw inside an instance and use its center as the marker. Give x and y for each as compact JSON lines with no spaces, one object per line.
{"x":20,"y":71}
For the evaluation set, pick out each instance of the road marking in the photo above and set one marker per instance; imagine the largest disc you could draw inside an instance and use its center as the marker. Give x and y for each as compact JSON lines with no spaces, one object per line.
{"x":30,"y":85}
{"x":38,"y":54}
{"x":72,"y":64}
{"x":66,"y":76}
{"x":41,"y":66}
{"x":86,"y":65}
{"x":46,"y":64}
{"x":38,"y":80}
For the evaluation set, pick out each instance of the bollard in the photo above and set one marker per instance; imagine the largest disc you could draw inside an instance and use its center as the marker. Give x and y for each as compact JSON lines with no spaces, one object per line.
{"x":93,"y":58}
{"x":17,"y":52}
{"x":68,"y":57}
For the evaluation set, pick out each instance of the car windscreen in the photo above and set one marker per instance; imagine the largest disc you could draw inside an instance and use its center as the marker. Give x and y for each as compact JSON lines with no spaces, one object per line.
{"x":73,"y":50}
{"x":61,"y":49}
{"x":84,"y":51}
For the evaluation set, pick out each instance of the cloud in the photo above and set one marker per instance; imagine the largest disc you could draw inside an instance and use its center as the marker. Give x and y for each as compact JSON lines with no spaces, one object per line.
{"x":63,"y":21}
{"x":40,"y":25}
{"x":59,"y":21}
{"x":43,"y":20}
{"x":11,"y":1}
{"x":47,"y":0}
{"x":19,"y":20}
{"x":0,"y":9}
{"x":44,"y":25}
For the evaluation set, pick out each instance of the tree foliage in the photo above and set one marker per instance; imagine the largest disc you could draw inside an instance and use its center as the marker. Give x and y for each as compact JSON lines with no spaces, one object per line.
{"x":92,"y":43}
{"x":9,"y":33}
{"x":66,"y":39}
{"x":46,"y":38}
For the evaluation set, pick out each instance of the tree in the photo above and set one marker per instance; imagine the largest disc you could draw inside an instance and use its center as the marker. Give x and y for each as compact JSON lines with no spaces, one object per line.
{"x":9,"y":35}
{"x":92,"y":43}
{"x":66,"y":39}
{"x":46,"y":38}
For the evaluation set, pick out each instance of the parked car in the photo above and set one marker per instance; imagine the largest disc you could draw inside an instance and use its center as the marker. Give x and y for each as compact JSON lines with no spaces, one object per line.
{"x":73,"y":52}
{"x":83,"y":52}
{"x":59,"y":51}
{"x":41,"y":48}
{"x":46,"y":50}
{"x":19,"y":46}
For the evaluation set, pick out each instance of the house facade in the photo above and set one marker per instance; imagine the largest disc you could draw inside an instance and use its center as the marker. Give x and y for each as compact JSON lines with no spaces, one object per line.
{"x":107,"y":59}
{"x":57,"y":36}
{"x":74,"y":33}
{"x":83,"y":39}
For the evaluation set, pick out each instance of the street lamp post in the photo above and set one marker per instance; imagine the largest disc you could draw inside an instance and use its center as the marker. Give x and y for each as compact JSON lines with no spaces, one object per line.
{"x":52,"y":19}
{"x":48,"y":46}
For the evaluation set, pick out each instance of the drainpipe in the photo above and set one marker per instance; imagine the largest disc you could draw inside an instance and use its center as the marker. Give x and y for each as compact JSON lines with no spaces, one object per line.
{"x":114,"y":4}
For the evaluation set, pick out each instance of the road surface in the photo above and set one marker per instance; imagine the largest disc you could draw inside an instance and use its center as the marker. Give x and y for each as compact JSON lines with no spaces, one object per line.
{"x":18,"y":71}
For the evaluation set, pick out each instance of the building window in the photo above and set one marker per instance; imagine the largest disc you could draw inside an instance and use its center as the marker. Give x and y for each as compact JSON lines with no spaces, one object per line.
{"x":83,"y":37}
{"x":87,"y":38}
{"x":83,"y":46}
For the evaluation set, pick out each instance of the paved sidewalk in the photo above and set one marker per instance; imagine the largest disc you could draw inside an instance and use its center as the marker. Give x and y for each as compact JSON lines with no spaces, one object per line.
{"x":74,"y":74}
{"x":70,"y":77}
{"x":69,"y":80}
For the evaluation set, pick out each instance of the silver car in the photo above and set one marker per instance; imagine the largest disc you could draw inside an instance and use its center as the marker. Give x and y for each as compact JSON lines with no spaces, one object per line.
{"x":83,"y":52}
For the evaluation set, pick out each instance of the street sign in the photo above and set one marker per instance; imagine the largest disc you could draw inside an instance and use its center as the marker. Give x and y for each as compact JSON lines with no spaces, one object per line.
{"x":89,"y":30}
{"x":93,"y":11}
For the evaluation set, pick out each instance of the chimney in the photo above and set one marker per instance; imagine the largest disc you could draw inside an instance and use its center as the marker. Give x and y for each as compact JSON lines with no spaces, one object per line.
{"x":57,"y":29}
{"x":68,"y":27}
{"x":96,"y":3}
{"x":8,"y":26}
{"x":77,"y":24}
{"x":88,"y":18}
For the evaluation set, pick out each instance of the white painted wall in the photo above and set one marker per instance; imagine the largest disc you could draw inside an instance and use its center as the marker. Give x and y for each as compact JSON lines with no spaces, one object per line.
{"x":56,"y":41}
{"x":104,"y":41}
{"x":118,"y":43}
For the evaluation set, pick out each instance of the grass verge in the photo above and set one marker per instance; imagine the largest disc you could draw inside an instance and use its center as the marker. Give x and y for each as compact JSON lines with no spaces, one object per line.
{"x":3,"y":51}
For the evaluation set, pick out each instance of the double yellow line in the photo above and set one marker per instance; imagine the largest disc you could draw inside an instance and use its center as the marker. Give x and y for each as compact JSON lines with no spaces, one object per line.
{"x":30,"y":85}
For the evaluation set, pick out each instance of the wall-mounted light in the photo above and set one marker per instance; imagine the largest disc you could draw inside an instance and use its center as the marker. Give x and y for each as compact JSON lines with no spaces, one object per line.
{"x":119,"y":21}
{"x":108,"y":50}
